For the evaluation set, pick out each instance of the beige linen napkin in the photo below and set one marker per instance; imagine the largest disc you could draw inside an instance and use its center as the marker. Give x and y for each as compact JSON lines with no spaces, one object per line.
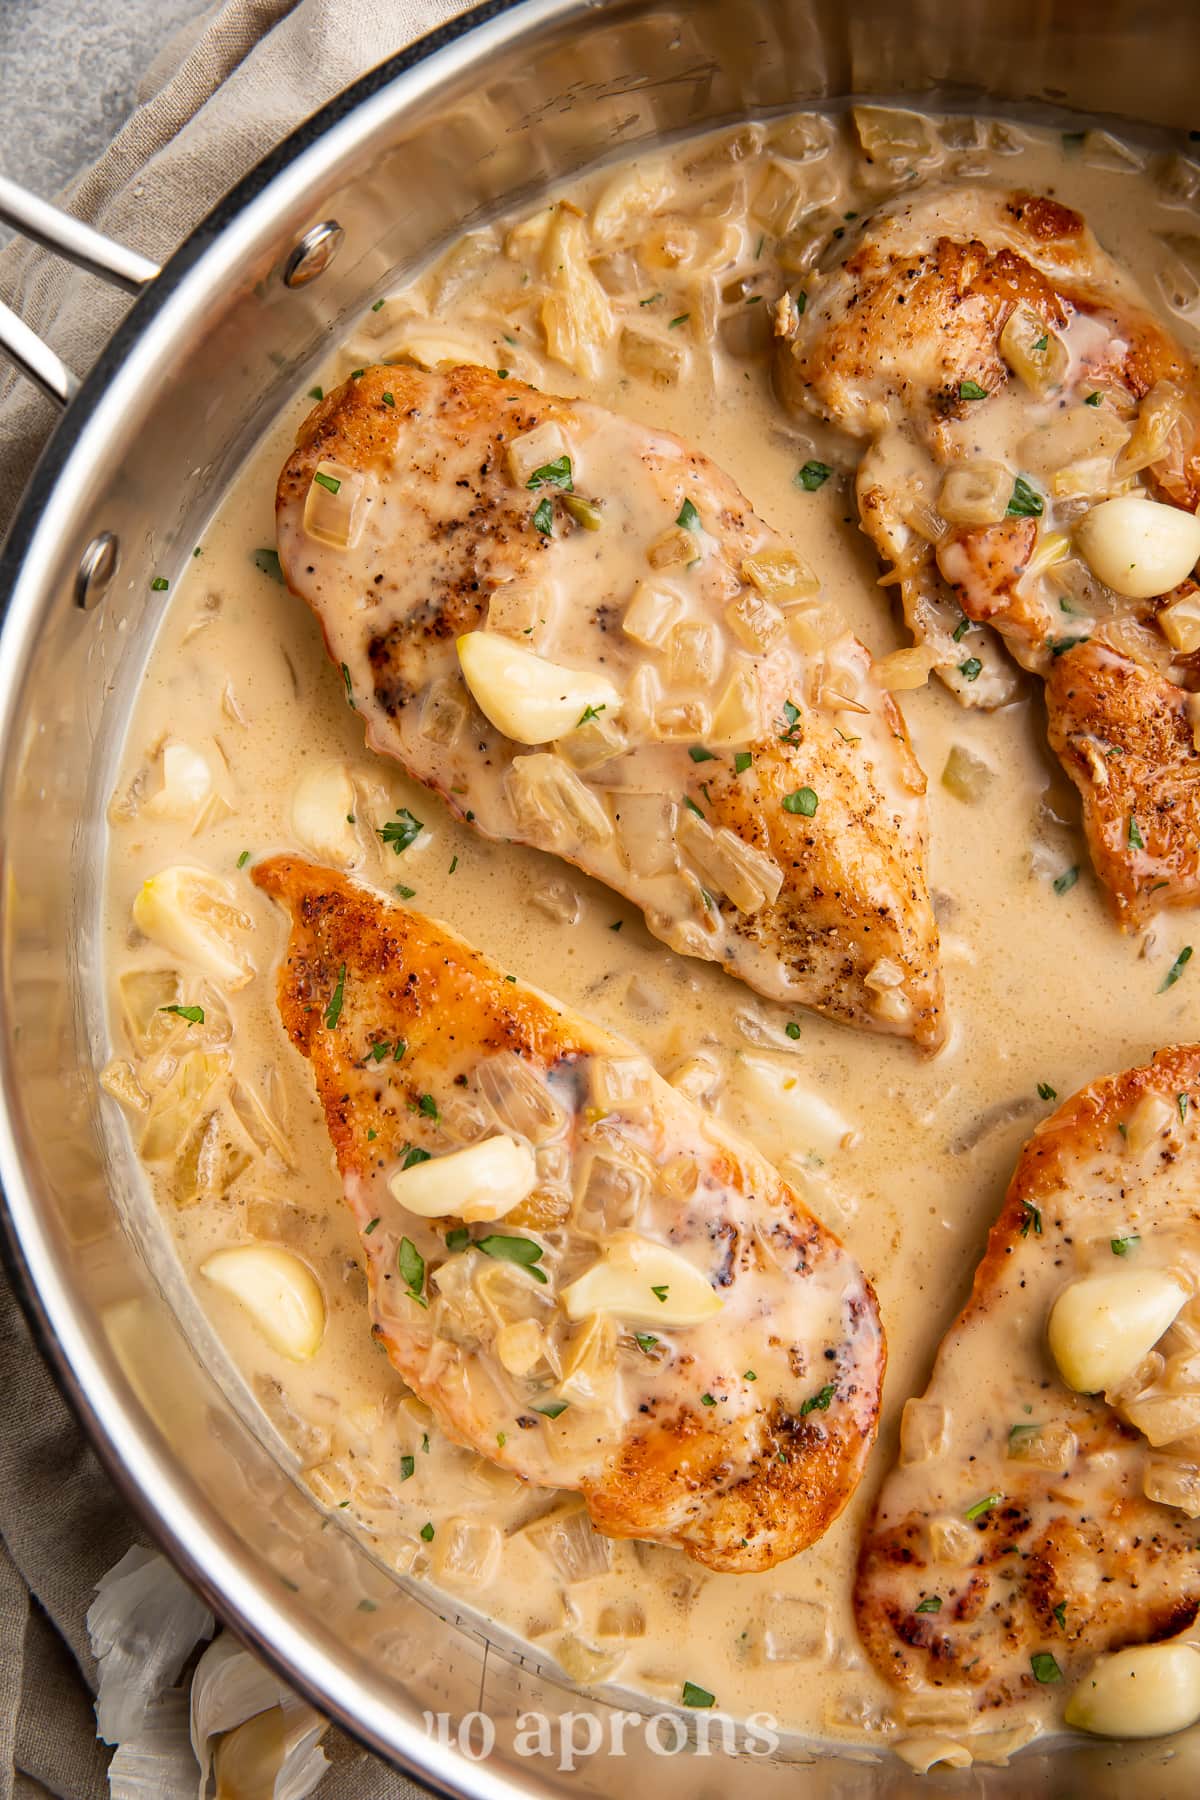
{"x":249,"y":72}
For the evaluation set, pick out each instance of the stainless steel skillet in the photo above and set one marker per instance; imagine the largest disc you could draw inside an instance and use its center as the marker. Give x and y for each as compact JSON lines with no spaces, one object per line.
{"x":483,"y":113}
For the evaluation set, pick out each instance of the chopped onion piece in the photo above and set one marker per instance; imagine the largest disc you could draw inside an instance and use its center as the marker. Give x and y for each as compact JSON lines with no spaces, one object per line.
{"x":1033,"y":351}
{"x":1172,"y":1482}
{"x":466,"y":1552}
{"x":738,"y":716}
{"x":676,"y":548}
{"x":1159,"y":414}
{"x":576,"y":316}
{"x":646,"y":833}
{"x":755,"y":621}
{"x":975,"y":493}
{"x":187,"y":782}
{"x":1101,"y":1327}
{"x":546,"y":443}
{"x":967,"y":776}
{"x":482,"y":1181}
{"x":1164,"y":1418}
{"x":904,"y":670}
{"x":924,"y":1432}
{"x":570,"y":1541}
{"x":526,"y":697}
{"x":1180,"y":623}
{"x":779,"y":1113}
{"x":1151,"y":1117}
{"x":643,"y":1283}
{"x":439,"y":350}
{"x":278,"y":1291}
{"x":337,"y":505}
{"x":651,"y":614}
{"x":1139,"y":547}
{"x":191,"y":912}
{"x":517,"y":608}
{"x":323,"y":802}
{"x":780,"y":575}
{"x":695,"y":654}
{"x":180,"y":1105}
{"x":747,"y":875}
{"x":519,"y":1097}
{"x":552,"y":806}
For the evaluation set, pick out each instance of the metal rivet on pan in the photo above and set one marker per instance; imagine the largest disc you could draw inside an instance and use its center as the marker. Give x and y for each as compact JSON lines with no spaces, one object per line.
{"x":97,"y":566}
{"x":313,"y":254}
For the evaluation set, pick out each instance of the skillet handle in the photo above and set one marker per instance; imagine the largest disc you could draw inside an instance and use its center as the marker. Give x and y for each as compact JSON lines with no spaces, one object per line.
{"x":87,"y":249}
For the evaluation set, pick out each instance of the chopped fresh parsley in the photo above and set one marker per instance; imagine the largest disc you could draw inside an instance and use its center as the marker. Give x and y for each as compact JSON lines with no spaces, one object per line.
{"x":1044,"y":1667}
{"x":556,"y":474}
{"x":1042,"y":342}
{"x":408,"y":1467}
{"x":411,"y":1265}
{"x":1026,"y":502}
{"x":804,"y":801}
{"x":331,"y":483}
{"x":1046,"y":1092}
{"x":427,"y":1107}
{"x":1123,"y":1245}
{"x":1176,"y":969}
{"x":812,"y":476}
{"x":405,"y":893}
{"x":982,"y":1506}
{"x":349,"y":688}
{"x":791,"y":716}
{"x":692,"y":807}
{"x":689,"y":518}
{"x":660,"y":1293}
{"x":749,"y":1375}
{"x":543,"y":518}
{"x":243,"y":859}
{"x":932,"y":1603}
{"x":316,"y":393}
{"x":401,"y":831}
{"x":267,"y":563}
{"x":458,"y":1238}
{"x":1066,"y":881}
{"x":414,"y":1155}
{"x":388,"y":399}
{"x":801,"y":302}
{"x":427,"y":1532}
{"x":159,"y":585}
{"x":792,"y":1029}
{"x":699,"y":754}
{"x":649,"y":300}
{"x":707,"y":1400}
{"x":1183,"y":1106}
{"x":680,"y":319}
{"x":333,"y":1011}
{"x":590,"y":712}
{"x":697,"y":1696}
{"x":553,"y":1409}
{"x":502,"y":1438}
{"x":1058,"y":646}
{"x":194,"y":1015}
{"x":378,"y":306}
{"x":645,"y":1341}
{"x":741,"y":761}
{"x":971,"y":390}
{"x":1032,"y":1219}
{"x":1134,"y":834}
{"x":961,"y":629}
{"x":453,"y":865}
{"x":971,"y":669}
{"x":520,"y":1250}
{"x":819,"y":1402}
{"x":1060,"y":1613}
{"x":1093,"y":400}
{"x":370,"y":1226}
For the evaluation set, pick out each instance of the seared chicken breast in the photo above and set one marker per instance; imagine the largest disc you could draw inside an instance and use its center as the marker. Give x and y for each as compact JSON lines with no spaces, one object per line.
{"x":1030,"y":1526}
{"x":1031,"y":472}
{"x":576,"y":631}
{"x":591,"y":1282}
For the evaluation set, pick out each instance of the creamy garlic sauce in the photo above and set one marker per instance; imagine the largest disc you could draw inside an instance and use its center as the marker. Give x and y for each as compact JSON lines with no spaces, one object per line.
{"x":1041,"y":988}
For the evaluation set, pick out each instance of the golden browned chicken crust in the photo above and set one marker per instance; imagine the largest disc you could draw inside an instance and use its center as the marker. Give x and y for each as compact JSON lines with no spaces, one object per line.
{"x":851,"y":932}
{"x":900,"y":343}
{"x":1126,"y":739}
{"x":1017,"y":1523}
{"x":740,"y":1479}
